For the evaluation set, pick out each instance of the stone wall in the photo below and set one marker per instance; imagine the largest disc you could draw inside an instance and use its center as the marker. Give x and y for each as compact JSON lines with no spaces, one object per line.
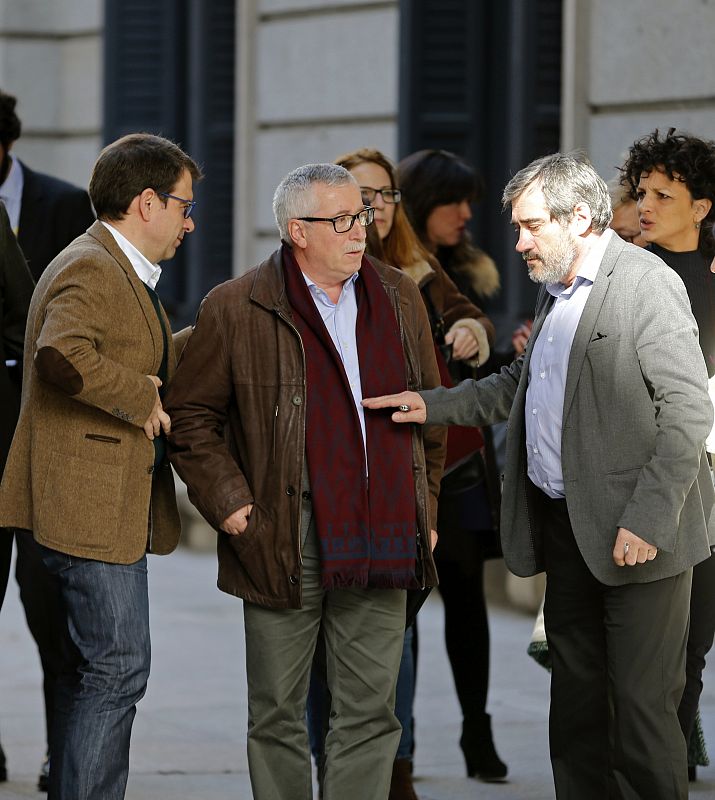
{"x":51,"y":59}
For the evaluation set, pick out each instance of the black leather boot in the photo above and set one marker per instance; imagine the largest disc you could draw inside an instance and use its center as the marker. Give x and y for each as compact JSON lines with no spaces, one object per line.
{"x":401,"y":787}
{"x":479,"y":751}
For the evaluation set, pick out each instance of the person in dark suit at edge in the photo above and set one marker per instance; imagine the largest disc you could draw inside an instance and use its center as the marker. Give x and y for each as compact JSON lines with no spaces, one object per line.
{"x":46,"y":214}
{"x":16,"y":287}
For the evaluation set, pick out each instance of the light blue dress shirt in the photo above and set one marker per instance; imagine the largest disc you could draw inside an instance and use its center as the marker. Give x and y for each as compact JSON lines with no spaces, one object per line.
{"x":547,"y":373}
{"x":340,"y":319}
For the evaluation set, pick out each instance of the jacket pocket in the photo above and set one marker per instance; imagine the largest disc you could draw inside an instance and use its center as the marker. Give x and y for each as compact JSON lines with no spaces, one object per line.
{"x":81,"y":503}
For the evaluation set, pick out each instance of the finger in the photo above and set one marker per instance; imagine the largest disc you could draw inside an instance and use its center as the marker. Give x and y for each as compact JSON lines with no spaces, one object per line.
{"x":155,"y":380}
{"x":450,"y":336}
{"x":414,"y":415}
{"x":652,"y":553}
{"x":165,"y":421}
{"x":642,"y":555}
{"x":149,"y":431}
{"x":469,"y":350}
{"x":618,"y":559}
{"x":385,"y":401}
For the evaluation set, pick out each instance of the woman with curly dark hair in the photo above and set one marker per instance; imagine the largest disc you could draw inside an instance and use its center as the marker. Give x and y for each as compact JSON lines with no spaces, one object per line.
{"x":672,"y":179}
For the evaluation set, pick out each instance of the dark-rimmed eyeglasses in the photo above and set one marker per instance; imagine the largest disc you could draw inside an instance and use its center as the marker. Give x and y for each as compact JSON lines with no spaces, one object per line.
{"x":344,"y":222}
{"x":387,"y":193}
{"x":188,"y":205}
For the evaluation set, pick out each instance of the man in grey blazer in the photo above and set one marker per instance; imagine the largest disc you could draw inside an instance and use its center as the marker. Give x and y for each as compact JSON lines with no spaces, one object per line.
{"x":606,"y":486}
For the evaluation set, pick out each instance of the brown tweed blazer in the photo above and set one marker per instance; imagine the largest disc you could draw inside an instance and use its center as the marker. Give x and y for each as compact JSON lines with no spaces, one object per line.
{"x":80,"y":471}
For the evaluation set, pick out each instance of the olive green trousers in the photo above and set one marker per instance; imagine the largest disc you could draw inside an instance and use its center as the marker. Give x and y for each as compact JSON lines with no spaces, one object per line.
{"x":363,"y":630}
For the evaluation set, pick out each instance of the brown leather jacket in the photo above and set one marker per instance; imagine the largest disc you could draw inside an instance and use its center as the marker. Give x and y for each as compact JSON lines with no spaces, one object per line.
{"x":238,"y":426}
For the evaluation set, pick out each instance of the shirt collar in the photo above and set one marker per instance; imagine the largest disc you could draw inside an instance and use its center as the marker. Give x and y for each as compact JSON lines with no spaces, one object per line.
{"x":12,"y":186}
{"x":589,"y":268}
{"x":315,"y":289}
{"x":146,"y":271}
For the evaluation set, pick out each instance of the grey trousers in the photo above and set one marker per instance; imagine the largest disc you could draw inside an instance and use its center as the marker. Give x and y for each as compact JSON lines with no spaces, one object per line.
{"x":363,"y":630}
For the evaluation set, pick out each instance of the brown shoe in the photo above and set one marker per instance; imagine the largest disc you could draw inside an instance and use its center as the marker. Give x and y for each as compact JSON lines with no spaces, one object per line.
{"x":401,"y":787}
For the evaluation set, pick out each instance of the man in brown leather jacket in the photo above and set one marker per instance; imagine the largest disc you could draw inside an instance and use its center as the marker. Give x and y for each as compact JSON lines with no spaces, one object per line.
{"x":270,"y":436}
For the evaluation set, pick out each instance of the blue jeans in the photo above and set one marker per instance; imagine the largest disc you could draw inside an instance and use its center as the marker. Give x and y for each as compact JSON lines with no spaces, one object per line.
{"x":105,"y":671}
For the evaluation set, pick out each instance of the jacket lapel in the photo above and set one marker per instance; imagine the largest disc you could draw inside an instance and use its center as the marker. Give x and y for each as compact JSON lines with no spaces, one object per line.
{"x":589,"y":317}
{"x":105,"y":238}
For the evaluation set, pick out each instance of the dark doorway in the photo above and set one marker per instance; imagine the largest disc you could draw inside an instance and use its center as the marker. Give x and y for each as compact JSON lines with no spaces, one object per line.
{"x":169,"y":69}
{"x":483,"y":79}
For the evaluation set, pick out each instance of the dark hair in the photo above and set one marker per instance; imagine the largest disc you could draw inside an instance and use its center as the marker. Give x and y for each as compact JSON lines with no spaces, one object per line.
{"x":430,"y":178}
{"x":131,"y":164}
{"x":10,"y":125}
{"x":682,"y":157}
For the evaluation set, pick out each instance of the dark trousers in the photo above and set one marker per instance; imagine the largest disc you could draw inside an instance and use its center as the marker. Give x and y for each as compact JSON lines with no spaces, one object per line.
{"x":104,"y":675}
{"x":618,"y":655}
{"x":466,"y":631}
{"x":5,"y":559}
{"x":41,"y":600}
{"x":700,"y":640}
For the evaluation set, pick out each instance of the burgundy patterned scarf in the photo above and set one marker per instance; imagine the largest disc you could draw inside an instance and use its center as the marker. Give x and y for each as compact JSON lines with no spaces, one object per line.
{"x":368,"y":537}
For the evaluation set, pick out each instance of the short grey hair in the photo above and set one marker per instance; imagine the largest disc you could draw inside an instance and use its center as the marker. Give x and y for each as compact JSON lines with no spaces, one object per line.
{"x":566,"y":179}
{"x":619,"y":193}
{"x":294,"y":196}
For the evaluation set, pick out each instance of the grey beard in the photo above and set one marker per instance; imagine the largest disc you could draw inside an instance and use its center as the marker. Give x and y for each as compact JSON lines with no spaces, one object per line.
{"x":555,"y":266}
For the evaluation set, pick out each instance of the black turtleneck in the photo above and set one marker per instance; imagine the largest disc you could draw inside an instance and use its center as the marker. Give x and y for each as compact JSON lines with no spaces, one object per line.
{"x":694,"y":270}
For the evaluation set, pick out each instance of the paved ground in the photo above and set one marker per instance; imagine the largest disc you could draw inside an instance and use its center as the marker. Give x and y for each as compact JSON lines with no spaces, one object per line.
{"x":189,"y":736}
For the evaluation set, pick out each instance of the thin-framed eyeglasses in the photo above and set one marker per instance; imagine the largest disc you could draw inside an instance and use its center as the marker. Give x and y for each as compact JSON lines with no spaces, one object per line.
{"x":188,"y":205}
{"x":387,"y":193}
{"x":344,"y":222}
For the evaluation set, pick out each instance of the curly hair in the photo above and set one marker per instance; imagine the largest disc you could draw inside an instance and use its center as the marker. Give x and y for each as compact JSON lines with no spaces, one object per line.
{"x":682,"y":157}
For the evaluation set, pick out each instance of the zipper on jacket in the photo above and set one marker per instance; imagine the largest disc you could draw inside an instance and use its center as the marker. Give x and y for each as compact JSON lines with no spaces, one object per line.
{"x":395,"y":300}
{"x":275,"y":425}
{"x":290,"y":324}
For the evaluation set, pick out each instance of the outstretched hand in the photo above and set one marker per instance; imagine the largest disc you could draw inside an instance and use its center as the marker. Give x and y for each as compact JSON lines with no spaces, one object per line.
{"x":410,"y":406}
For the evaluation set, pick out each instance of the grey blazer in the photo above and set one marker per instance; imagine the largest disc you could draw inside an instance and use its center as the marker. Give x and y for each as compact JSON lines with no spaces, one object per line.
{"x":636,"y":414}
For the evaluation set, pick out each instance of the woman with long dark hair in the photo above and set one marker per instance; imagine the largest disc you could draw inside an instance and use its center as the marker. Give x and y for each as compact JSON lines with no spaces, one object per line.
{"x":469,"y":504}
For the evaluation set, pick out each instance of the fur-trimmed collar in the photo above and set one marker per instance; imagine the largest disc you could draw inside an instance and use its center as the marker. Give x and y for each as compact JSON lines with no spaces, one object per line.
{"x":475,"y":265}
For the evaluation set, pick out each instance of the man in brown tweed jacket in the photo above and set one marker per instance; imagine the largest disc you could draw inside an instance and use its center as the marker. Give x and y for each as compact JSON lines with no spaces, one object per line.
{"x":87,"y":472}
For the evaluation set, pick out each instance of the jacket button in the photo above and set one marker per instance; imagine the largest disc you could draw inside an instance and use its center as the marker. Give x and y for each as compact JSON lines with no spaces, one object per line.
{"x":297,"y":400}
{"x":290,"y":491}
{"x":150,"y":469}
{"x":293,"y":579}
{"x":306,"y":496}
